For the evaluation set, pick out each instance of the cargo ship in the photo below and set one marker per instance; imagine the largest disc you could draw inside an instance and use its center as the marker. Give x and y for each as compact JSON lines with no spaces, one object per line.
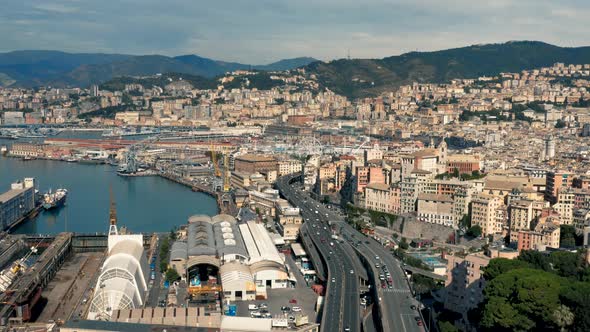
{"x":54,"y":200}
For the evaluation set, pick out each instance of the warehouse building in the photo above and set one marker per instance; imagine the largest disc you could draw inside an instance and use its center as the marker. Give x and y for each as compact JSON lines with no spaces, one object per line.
{"x":16,"y":203}
{"x":243,"y":256}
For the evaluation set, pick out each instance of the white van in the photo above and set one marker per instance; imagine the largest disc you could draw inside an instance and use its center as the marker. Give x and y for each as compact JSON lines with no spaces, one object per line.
{"x":252,"y":307}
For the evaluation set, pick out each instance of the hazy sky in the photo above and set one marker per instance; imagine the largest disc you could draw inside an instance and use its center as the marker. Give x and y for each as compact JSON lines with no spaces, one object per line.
{"x":261,"y":31}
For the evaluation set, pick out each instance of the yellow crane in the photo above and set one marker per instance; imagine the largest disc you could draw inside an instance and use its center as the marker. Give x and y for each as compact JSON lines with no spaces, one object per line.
{"x":226,"y":174}
{"x":214,"y":160}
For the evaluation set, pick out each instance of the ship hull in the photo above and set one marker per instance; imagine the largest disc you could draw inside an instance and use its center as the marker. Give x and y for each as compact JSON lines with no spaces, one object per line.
{"x":59,"y":203}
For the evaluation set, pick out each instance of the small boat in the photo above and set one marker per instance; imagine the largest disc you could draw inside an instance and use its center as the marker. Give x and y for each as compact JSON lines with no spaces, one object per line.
{"x":54,"y":200}
{"x":27,"y":158}
{"x":71,"y":159}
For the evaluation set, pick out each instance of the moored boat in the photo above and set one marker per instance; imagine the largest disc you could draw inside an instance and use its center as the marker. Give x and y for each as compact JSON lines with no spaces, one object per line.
{"x":55,"y":199}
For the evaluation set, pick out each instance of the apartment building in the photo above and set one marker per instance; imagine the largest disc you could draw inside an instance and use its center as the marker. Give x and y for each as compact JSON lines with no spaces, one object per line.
{"x":366,"y":175}
{"x":465,"y":282}
{"x":381,"y":197}
{"x":486,"y":211}
{"x":436,"y":209}
{"x":286,"y":167}
{"x":555,"y":181}
{"x":544,"y":235}
{"x":565,"y":205}
{"x":521,"y":213}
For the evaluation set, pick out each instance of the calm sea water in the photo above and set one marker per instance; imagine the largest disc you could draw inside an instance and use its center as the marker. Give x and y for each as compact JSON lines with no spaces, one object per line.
{"x":144,"y":204}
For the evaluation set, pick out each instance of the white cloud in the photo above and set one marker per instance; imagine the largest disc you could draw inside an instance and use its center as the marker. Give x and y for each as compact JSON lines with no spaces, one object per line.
{"x":266,"y":30}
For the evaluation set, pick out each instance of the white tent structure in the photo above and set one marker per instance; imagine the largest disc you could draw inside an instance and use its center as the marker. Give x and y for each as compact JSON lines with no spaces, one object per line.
{"x":122,"y":283}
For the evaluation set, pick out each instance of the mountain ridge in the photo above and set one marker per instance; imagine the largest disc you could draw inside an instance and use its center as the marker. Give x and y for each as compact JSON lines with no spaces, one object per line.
{"x":349,"y":77}
{"x":31,"y":68}
{"x":369,"y":77}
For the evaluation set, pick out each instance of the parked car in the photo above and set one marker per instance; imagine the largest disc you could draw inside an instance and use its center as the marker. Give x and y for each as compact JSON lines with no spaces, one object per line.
{"x":296,"y":309}
{"x":252,"y":307}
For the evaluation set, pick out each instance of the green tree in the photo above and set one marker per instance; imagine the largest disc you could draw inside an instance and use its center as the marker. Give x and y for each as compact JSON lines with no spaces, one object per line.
{"x":172,"y":275}
{"x":498,"y":266}
{"x":521,"y":300}
{"x":536,"y":259}
{"x":445,"y":326}
{"x":560,"y":124}
{"x":567,"y":238}
{"x":404,"y":244}
{"x":126,"y":99}
{"x":465,"y":222}
{"x":474,"y":231}
{"x":566,"y":264}
{"x":576,"y":295}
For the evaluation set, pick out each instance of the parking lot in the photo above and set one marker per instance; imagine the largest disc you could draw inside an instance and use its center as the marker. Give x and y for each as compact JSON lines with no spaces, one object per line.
{"x":305,"y":299}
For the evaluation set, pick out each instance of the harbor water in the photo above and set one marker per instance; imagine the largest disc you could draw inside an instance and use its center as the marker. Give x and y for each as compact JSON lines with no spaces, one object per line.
{"x":144,"y":204}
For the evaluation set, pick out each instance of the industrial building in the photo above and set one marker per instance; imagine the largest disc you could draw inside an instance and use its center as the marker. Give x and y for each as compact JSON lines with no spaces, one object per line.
{"x":122,"y":283}
{"x":16,"y":203}
{"x":243,"y":256}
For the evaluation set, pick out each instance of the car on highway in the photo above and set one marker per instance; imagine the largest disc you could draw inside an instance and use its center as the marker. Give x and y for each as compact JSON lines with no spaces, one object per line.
{"x":351,"y":271}
{"x":333,"y":279}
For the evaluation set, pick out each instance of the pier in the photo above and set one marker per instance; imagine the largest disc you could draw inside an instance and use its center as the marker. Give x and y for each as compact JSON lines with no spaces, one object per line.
{"x":224,"y":201}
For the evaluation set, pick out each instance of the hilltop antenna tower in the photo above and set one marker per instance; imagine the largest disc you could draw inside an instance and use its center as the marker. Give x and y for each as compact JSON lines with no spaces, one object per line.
{"x":112,"y":215}
{"x":348,"y":54}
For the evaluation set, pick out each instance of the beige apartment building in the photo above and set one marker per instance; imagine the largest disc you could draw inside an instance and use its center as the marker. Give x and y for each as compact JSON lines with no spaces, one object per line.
{"x":545,"y":235}
{"x":436,"y":209}
{"x":289,"y":167}
{"x":381,"y":197}
{"x":521,"y":213}
{"x":486,"y":211}
{"x":565,"y":205}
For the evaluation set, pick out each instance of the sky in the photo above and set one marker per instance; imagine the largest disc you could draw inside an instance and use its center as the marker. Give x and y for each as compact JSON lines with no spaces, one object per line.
{"x":262,"y":31}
